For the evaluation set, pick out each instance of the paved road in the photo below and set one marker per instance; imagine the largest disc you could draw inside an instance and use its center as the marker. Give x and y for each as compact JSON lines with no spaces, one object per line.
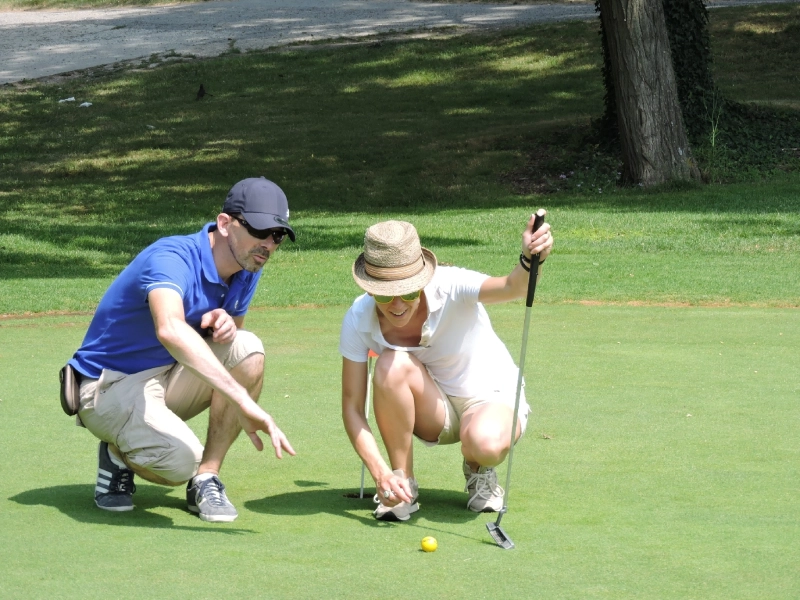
{"x":36,"y":44}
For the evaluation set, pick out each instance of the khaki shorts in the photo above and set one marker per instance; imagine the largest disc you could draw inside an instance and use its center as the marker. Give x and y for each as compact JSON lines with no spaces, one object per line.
{"x":143,"y":414}
{"x":455,"y":407}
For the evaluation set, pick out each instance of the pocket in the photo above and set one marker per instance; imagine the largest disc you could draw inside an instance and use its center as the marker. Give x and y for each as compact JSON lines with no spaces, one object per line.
{"x":104,"y":385}
{"x":100,"y":409}
{"x":70,"y":390}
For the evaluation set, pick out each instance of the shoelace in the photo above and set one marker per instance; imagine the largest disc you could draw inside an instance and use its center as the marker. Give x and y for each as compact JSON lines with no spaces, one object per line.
{"x":122,"y":482}
{"x":485,"y":484}
{"x":213,"y":491}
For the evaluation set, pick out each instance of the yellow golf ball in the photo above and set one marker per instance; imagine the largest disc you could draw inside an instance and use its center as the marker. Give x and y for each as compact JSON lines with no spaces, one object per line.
{"x":429,"y":544}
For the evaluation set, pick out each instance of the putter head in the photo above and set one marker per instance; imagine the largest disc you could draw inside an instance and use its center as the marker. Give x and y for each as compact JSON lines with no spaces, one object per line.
{"x":499,"y":536}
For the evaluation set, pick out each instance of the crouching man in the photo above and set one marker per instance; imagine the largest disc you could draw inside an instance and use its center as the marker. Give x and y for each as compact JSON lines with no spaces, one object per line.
{"x":166,"y":343}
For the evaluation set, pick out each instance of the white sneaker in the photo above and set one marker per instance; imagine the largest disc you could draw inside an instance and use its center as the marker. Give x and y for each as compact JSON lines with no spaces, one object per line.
{"x":402,"y":511}
{"x":484,"y":493}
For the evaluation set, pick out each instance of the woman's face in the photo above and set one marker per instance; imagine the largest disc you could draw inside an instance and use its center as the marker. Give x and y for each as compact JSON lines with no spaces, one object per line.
{"x":399,"y":312}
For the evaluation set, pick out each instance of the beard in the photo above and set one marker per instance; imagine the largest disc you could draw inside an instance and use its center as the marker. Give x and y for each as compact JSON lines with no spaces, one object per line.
{"x":248,"y":263}
{"x":246,"y":260}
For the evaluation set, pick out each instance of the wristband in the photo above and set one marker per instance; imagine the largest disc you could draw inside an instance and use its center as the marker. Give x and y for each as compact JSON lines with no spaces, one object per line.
{"x":525,"y":262}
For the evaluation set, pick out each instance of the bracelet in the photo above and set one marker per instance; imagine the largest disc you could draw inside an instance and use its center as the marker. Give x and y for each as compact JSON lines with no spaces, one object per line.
{"x":525,"y":262}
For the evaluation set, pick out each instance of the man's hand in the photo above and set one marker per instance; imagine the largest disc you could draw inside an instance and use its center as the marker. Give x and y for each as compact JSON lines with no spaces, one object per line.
{"x":221,"y":324}
{"x":252,"y":418}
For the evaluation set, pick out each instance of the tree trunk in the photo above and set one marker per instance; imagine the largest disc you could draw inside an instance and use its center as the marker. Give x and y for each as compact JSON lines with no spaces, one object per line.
{"x":653,"y":139}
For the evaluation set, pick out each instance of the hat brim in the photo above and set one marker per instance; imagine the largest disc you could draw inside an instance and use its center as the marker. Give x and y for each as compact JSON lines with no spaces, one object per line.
{"x":259,"y":220}
{"x":397,"y":287}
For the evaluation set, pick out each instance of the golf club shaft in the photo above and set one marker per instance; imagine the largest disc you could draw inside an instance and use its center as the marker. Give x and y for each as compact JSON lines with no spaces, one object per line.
{"x":366,"y":412}
{"x":538,"y":222}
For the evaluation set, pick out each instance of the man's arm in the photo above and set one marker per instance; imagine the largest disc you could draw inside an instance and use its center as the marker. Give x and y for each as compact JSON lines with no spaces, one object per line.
{"x":189,"y":349}
{"x":515,"y":285}
{"x":354,"y":393}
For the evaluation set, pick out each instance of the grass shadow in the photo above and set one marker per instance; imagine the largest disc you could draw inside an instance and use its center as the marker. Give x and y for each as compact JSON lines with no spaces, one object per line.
{"x":75,"y":501}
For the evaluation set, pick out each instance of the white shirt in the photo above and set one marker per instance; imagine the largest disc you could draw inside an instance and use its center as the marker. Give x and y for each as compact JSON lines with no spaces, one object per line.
{"x":458,"y":345}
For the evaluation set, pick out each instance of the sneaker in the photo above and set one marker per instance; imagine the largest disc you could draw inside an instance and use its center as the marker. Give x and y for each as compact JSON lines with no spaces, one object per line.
{"x":484,"y":493}
{"x":402,"y":511}
{"x":207,"y":498}
{"x":114,"y":488}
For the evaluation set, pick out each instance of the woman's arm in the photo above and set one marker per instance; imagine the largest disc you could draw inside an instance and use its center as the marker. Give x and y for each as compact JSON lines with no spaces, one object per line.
{"x":515,"y":285}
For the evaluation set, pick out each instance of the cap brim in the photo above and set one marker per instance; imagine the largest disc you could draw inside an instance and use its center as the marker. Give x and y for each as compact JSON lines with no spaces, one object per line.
{"x":395,"y":287}
{"x":268,"y":221}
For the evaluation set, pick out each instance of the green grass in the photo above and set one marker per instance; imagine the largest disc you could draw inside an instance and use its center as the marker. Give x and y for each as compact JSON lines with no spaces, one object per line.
{"x":627,"y":497}
{"x":661,"y":458}
{"x":427,"y":130}
{"x":753,"y":43}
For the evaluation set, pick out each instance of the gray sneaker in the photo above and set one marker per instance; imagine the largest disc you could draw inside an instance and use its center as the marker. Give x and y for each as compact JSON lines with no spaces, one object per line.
{"x":114,"y":488}
{"x":207,"y":499}
{"x":484,"y":493}
{"x":402,"y":511}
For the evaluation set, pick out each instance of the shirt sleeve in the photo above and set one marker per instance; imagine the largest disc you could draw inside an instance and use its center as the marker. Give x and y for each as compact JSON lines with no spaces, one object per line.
{"x":465,"y":285}
{"x":165,"y":269}
{"x":351,"y":345}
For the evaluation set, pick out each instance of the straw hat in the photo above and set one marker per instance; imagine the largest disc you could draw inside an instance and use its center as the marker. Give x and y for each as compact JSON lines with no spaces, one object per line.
{"x":393,"y":262}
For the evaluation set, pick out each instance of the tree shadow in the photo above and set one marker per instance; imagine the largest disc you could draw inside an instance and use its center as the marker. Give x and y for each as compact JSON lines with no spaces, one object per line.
{"x":423,"y":126}
{"x":76,"y":502}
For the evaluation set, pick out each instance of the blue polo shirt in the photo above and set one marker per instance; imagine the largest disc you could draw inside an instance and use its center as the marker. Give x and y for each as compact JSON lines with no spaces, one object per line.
{"x":122,"y":335}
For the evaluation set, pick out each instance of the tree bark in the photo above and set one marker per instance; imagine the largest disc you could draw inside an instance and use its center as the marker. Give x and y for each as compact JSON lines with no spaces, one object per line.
{"x":655,"y":148}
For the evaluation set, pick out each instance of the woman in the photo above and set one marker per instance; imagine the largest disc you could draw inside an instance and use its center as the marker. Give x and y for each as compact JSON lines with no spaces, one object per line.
{"x":443,"y":375}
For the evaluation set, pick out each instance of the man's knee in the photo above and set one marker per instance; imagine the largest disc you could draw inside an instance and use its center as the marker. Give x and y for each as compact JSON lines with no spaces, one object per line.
{"x":173,"y":465}
{"x":246,"y":347}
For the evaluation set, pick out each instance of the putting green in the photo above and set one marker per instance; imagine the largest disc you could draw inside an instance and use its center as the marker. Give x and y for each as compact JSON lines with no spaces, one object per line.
{"x":661,"y":461}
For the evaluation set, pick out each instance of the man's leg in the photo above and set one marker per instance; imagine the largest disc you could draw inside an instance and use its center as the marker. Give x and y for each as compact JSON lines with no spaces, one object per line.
{"x":138,"y":434}
{"x":223,"y":421}
{"x":188,"y":396}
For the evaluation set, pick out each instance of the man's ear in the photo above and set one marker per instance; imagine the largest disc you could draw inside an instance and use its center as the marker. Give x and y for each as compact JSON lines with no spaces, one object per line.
{"x":223,"y":223}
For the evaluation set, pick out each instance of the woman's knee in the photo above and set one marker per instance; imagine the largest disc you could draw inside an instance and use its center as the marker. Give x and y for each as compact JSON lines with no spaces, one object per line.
{"x":392,"y":368}
{"x":487,"y":440}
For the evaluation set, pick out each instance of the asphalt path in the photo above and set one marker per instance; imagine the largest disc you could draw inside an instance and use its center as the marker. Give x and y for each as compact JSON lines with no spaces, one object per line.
{"x":36,"y":44}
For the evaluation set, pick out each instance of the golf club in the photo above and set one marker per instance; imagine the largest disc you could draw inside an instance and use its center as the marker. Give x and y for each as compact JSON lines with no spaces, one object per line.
{"x":501,"y":537}
{"x":372,"y":356}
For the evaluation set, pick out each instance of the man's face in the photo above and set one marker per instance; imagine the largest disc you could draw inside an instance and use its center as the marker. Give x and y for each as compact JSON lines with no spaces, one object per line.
{"x":250,"y":252}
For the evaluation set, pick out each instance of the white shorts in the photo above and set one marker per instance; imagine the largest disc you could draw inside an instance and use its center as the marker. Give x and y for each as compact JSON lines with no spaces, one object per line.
{"x":455,"y":408}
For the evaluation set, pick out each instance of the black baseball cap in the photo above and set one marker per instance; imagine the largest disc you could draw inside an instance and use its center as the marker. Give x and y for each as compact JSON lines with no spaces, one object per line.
{"x":261,"y":203}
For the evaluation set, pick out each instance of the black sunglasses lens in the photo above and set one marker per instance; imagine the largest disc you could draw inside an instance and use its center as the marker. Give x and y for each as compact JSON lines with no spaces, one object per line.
{"x":262,"y":234}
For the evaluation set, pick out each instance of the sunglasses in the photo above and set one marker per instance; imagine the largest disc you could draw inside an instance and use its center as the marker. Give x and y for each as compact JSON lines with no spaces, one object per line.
{"x":405,"y":297}
{"x":262,"y":234}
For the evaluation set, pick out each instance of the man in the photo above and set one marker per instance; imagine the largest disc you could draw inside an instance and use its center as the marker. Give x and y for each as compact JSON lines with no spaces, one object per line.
{"x":443,"y":375}
{"x":167,"y":343}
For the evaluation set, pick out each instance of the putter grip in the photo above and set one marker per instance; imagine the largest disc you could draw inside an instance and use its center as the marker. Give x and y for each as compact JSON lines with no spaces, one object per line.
{"x":538,"y":221}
